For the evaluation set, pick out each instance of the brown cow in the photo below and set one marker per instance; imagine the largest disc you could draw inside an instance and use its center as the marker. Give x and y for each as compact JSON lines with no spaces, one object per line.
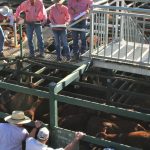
{"x":21,"y":101}
{"x":113,"y":125}
{"x":76,"y":122}
{"x":31,"y":112}
{"x":140,"y":139}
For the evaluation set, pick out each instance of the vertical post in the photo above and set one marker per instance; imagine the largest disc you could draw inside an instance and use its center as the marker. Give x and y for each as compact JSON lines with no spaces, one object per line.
{"x":116,"y":25}
{"x":15,"y":34}
{"x":53,"y":106}
{"x":18,"y":71}
{"x":109,"y":89}
{"x":91,"y":31}
{"x":122,"y":22}
{"x":20,"y":32}
{"x":106,"y":26}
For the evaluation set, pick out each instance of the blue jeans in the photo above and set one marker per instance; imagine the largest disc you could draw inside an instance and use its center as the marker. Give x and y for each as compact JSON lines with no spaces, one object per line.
{"x":31,"y":27}
{"x":1,"y":39}
{"x":60,"y":37}
{"x":76,"y":35}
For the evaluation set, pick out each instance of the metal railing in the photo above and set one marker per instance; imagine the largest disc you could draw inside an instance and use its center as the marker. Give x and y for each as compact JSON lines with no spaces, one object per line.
{"x":15,"y":32}
{"x":120,"y":34}
{"x":62,"y":136}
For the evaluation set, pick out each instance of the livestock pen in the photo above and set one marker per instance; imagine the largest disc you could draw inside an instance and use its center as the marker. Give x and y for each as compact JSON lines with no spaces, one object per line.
{"x":111,"y":105}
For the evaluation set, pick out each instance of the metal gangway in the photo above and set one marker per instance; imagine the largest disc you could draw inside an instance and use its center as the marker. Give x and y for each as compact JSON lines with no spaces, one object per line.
{"x":119,"y":37}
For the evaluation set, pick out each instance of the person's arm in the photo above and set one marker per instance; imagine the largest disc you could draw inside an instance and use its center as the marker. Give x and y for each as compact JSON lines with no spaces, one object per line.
{"x":42,"y":11}
{"x":67,"y":17}
{"x":20,"y":8}
{"x":78,"y":136}
{"x":89,"y":5}
{"x":71,"y":10}
{"x":51,"y":16}
{"x":38,"y":124}
{"x":44,"y":14}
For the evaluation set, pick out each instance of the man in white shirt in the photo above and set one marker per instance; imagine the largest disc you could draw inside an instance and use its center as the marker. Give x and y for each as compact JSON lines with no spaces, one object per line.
{"x":43,"y":136}
{"x":12,"y":133}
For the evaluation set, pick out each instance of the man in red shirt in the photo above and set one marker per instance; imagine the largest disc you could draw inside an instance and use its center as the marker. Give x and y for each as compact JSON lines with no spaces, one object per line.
{"x":59,"y":16}
{"x":75,"y":8}
{"x":35,"y":15}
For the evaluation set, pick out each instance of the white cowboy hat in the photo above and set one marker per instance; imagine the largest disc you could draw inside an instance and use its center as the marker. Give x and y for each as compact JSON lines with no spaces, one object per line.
{"x":17,"y":117}
{"x":5,"y":11}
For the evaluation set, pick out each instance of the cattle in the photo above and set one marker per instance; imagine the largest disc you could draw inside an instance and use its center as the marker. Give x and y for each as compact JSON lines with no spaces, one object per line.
{"x":76,"y":122}
{"x":140,"y":139}
{"x":32,"y":111}
{"x":112,"y":125}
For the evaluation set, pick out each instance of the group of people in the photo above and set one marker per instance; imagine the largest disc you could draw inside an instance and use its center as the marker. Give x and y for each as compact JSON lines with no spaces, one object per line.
{"x":13,"y":134}
{"x":15,"y":137}
{"x":59,"y":14}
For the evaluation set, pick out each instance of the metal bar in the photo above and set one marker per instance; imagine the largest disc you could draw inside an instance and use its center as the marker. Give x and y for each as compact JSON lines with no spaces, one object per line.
{"x":21,"y":46}
{"x":102,"y":142}
{"x":15,"y":34}
{"x":124,"y":14}
{"x":53,"y":106}
{"x":26,"y":90}
{"x":71,"y":77}
{"x":122,"y":8}
{"x":105,"y":108}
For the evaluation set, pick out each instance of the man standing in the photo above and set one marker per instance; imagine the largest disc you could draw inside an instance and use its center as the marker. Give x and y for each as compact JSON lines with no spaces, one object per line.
{"x":4,"y":13}
{"x":76,"y":7}
{"x":35,"y":16}
{"x":43,"y":136}
{"x":12,"y":133}
{"x":59,"y":16}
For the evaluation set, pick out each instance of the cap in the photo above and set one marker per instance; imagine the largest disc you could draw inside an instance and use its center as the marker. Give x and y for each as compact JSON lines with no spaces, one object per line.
{"x":43,"y":134}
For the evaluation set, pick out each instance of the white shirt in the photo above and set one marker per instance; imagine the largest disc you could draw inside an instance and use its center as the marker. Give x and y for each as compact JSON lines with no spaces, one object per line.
{"x":11,"y":136}
{"x":33,"y":144}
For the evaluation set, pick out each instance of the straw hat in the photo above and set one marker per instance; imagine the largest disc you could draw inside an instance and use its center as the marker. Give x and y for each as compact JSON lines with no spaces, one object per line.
{"x":17,"y":117}
{"x":5,"y":11}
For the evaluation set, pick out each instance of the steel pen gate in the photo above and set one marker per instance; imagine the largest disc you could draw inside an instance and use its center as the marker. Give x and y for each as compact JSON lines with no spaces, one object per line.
{"x":62,"y":136}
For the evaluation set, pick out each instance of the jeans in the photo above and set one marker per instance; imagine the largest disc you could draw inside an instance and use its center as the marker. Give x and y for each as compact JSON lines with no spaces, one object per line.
{"x":1,"y":39}
{"x":60,"y":37}
{"x":75,"y":37}
{"x":31,"y":27}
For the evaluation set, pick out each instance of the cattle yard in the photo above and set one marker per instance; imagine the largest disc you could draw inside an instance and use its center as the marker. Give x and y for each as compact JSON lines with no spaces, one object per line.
{"x":111,"y":106}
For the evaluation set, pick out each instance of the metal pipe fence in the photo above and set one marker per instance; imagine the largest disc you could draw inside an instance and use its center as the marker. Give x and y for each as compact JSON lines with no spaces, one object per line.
{"x":121,"y":34}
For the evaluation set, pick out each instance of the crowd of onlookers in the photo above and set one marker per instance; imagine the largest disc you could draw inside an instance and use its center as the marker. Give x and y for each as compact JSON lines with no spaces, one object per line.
{"x":60,"y":16}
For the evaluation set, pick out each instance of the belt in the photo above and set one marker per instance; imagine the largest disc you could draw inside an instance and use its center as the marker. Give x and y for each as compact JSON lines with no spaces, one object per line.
{"x":33,"y":22}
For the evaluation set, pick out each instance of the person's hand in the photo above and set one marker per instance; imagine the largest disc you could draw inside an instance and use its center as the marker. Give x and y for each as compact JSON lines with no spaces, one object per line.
{"x":79,"y":135}
{"x":87,"y":11}
{"x":38,"y":123}
{"x":43,"y":23}
{"x":75,"y":10}
{"x":16,"y":20}
{"x":67,"y":23}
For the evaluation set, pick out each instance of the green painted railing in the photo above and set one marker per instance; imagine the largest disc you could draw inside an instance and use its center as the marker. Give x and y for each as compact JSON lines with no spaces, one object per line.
{"x":63,"y":136}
